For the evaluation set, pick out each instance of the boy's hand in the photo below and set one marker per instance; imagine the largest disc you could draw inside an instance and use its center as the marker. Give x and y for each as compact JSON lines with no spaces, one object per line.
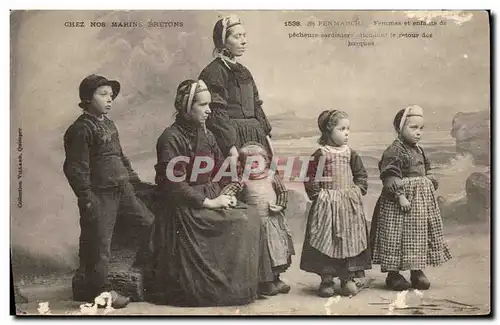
{"x":89,"y":208}
{"x":275,"y":208}
{"x":404,"y":203}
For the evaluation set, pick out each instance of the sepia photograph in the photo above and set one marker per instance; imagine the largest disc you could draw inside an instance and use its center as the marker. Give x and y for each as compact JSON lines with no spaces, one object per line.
{"x":250,"y":162}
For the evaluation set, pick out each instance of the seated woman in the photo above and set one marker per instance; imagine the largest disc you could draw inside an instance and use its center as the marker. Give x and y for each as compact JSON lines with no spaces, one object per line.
{"x":207,"y":254}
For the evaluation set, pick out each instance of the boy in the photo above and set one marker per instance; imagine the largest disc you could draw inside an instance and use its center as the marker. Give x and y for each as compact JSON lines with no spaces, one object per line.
{"x":101,"y":178}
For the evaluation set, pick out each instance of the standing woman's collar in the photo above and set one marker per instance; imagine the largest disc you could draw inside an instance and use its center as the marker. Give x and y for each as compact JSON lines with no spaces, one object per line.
{"x":227,"y":61}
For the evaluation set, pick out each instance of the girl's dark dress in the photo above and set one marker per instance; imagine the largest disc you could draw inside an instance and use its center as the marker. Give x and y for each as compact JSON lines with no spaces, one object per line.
{"x":204,"y":257}
{"x":237,"y":116}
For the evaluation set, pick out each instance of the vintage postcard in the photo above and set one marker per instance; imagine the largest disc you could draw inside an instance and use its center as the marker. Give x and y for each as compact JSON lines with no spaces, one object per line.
{"x":250,"y":162}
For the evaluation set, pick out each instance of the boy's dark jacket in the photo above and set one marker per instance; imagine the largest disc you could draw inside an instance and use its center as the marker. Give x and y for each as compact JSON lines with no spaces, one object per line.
{"x":94,"y":157}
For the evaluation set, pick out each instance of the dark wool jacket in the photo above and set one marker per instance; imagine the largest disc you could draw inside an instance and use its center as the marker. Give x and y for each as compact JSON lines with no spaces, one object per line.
{"x":94,"y":156}
{"x":234,"y":96}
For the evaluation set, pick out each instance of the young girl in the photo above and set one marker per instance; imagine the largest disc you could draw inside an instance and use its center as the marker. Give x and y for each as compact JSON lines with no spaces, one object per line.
{"x":407,"y":228}
{"x":268,"y":195}
{"x":336,"y":240}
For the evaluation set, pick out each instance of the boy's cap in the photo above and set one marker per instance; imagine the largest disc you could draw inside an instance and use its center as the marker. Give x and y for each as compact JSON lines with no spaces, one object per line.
{"x":92,"y":82}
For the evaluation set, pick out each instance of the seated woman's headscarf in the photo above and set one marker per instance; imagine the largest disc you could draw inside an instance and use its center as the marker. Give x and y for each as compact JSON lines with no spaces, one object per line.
{"x":185,"y":94}
{"x":186,"y":91}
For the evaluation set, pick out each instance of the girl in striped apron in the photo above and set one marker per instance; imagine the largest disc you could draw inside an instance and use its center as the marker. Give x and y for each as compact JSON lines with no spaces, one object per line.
{"x":407,"y":230}
{"x":266,"y":193}
{"x":336,"y":239}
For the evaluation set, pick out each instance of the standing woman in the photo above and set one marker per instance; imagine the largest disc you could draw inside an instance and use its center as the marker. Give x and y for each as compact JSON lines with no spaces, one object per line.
{"x":206,"y":254}
{"x":237,"y":116}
